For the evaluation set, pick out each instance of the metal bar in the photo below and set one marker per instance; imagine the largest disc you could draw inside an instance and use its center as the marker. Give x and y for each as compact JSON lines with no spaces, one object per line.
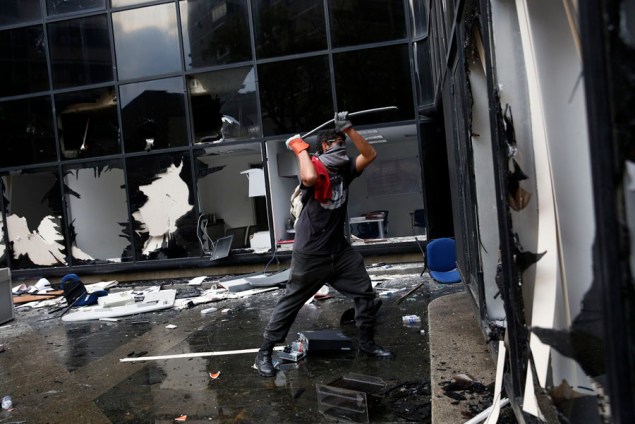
{"x":194,"y":355}
{"x":360,"y":112}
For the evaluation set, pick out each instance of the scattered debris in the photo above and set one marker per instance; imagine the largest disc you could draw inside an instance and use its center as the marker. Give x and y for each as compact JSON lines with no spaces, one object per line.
{"x":464,"y":388}
{"x":197,"y":281}
{"x":170,"y":326}
{"x":347,"y":397}
{"x":7,"y":403}
{"x":208,"y":310}
{"x":411,"y":320}
{"x":411,"y":291}
{"x":181,"y":419}
{"x":411,"y":400}
{"x":152,"y":301}
{"x":214,"y":375}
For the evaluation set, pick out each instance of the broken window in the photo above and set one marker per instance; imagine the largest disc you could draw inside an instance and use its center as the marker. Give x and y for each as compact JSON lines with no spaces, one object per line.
{"x":23,"y":58}
{"x":35,"y":224}
{"x":223,"y":105}
{"x":153,"y":115}
{"x":162,"y":204}
{"x":27,"y":132}
{"x":80,"y":51}
{"x":390,"y":188}
{"x":231,"y":192}
{"x":87,"y":123}
{"x":147,"y":41}
{"x":97,"y":212}
{"x":215,"y":33}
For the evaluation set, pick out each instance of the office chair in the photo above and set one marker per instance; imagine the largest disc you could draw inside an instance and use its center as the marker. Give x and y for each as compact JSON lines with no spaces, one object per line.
{"x":439,"y":258}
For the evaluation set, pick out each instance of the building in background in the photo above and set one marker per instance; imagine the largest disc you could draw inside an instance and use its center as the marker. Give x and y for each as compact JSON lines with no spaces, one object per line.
{"x":132,"y":129}
{"x":136,"y":133}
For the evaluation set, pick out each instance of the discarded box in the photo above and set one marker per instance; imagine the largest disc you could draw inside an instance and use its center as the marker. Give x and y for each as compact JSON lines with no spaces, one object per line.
{"x":349,"y":405}
{"x":347,"y":397}
{"x":372,"y":386}
{"x":325,"y":341}
{"x":293,"y":352}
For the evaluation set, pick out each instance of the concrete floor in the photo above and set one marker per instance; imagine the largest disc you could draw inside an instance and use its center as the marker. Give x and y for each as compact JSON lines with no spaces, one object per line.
{"x":59,"y":372}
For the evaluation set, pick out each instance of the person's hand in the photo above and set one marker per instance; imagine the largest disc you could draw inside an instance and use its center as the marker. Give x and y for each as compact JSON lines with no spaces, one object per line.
{"x":341,"y":121}
{"x":296,"y":144}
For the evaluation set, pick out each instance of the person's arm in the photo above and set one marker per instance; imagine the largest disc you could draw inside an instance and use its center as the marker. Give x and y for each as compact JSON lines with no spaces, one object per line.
{"x":308,"y":175}
{"x":367,"y":153}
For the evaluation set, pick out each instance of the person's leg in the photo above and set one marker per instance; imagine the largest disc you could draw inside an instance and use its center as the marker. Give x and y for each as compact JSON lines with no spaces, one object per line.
{"x":307,"y":274}
{"x":352,"y":280}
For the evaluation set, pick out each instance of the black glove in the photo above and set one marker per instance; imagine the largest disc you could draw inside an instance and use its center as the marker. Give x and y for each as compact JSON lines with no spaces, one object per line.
{"x":341,"y":121}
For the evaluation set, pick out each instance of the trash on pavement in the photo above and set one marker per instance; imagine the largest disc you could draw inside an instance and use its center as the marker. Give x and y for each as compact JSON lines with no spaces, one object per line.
{"x":411,"y":320}
{"x":347,"y":397}
{"x":7,"y":403}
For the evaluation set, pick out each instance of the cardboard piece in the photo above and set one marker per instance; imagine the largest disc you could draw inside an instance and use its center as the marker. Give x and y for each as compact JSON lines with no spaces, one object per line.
{"x":25,"y":298}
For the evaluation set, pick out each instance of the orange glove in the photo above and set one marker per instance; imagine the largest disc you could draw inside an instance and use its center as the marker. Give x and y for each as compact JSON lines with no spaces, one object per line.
{"x":296,"y":144}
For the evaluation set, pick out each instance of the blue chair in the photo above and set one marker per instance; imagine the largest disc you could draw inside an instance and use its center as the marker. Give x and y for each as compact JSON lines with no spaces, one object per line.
{"x":440,"y":260}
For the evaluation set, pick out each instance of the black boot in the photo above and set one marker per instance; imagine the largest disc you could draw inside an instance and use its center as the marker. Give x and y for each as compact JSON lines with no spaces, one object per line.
{"x":263,"y":363}
{"x":368,"y":346}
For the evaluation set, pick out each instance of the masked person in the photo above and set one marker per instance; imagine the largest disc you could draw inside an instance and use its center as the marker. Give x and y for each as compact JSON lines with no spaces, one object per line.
{"x":321,"y":251}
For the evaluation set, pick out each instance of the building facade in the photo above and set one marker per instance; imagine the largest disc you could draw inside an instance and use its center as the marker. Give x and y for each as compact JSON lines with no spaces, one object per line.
{"x":137,"y":133}
{"x":537,"y":100}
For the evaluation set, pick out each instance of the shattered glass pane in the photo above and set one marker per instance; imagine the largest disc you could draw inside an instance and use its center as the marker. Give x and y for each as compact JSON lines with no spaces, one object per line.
{"x":223,"y":105}
{"x":27,"y":132}
{"x":97,"y":211}
{"x":153,"y":115}
{"x":34,"y":219}
{"x":162,"y":204}
{"x":19,"y":11}
{"x":215,"y":32}
{"x":23,"y":59}
{"x":57,"y":7}
{"x":147,"y":41}
{"x":80,"y":51}
{"x":295,"y":95}
{"x":377,"y":20}
{"x":285,"y":28}
{"x":230,"y":187}
{"x":87,"y":123}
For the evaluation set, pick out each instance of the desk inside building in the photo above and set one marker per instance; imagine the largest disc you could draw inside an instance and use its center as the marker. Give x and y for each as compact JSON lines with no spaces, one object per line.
{"x":363,"y":219}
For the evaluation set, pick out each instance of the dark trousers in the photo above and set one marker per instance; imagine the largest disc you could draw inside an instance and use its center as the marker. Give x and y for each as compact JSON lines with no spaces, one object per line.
{"x":344,"y":271}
